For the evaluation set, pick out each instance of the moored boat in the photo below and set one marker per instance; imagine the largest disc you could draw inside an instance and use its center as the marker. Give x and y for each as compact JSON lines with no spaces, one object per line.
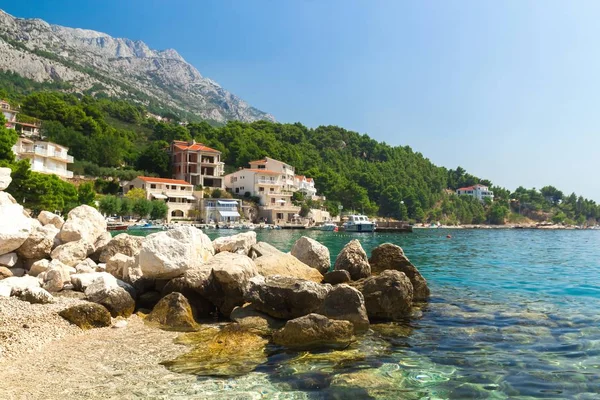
{"x":358,"y":223}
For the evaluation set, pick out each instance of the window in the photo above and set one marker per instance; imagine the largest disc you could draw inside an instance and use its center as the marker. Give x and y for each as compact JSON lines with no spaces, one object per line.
{"x":262,"y":189}
{"x":152,"y":186}
{"x":272,"y":190}
{"x":273,"y":200}
{"x":237,"y":190}
{"x":130,"y":187}
{"x":279,"y":215}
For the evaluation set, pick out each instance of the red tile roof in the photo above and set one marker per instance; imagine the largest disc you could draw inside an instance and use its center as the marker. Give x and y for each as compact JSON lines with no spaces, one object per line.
{"x":263,"y":161}
{"x":265,"y":171}
{"x":164,"y":180}
{"x":309,"y":179}
{"x":193,"y":147}
{"x":471,"y":187}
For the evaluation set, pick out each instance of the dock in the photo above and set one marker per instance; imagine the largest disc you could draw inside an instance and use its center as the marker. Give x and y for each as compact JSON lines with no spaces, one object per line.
{"x":292,"y":226}
{"x":393,"y":227}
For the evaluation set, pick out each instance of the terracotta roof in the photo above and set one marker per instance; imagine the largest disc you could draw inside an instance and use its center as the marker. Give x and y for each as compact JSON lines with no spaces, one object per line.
{"x":466,"y":188}
{"x":264,"y":171}
{"x":194,"y":147}
{"x":309,"y":179}
{"x":263,"y":161}
{"x":164,"y":180}
{"x":301,"y":177}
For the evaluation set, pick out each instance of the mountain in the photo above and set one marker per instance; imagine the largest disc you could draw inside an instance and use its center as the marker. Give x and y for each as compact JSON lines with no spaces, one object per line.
{"x":94,"y":62}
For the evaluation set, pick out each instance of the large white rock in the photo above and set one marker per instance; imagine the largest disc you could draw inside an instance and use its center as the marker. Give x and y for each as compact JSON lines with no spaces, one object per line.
{"x":18,"y":284}
{"x":119,"y":265}
{"x":38,"y":267}
{"x":48,"y":218}
{"x":122,"y":243}
{"x":5,"y":178}
{"x":15,"y":224}
{"x":87,"y":265}
{"x":312,"y":253}
{"x":9,"y":259}
{"x":83,"y":223}
{"x":36,"y":295}
{"x":240,"y":243}
{"x":39,"y":244}
{"x":56,"y":276}
{"x":72,"y":253}
{"x":165,"y":255}
{"x":82,"y":281}
{"x":5,"y":291}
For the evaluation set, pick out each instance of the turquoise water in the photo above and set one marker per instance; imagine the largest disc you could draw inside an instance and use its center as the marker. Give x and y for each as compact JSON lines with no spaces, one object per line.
{"x":513,"y":314}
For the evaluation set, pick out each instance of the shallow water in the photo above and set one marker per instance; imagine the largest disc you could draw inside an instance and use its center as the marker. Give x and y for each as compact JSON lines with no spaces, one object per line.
{"x":513,"y":314}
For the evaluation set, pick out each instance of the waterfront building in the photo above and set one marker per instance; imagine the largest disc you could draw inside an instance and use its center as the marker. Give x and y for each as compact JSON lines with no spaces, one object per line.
{"x":179,"y":195}
{"x":480,"y":192}
{"x":44,"y":157}
{"x":305,"y":185}
{"x":26,"y":127}
{"x":197,"y":164}
{"x":220,"y":210}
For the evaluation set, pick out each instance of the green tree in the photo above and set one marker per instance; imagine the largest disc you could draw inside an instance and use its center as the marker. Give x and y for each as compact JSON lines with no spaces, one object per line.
{"x":126,"y":207}
{"x":86,"y":193}
{"x":136,"y":194}
{"x":159,"y":210}
{"x":155,"y":159}
{"x":497,"y":213}
{"x":8,"y":138}
{"x":142,"y":207}
{"x":110,"y":205}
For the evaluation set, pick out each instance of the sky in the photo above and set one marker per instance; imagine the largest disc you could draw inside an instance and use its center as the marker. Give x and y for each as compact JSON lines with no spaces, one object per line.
{"x":508,"y":90}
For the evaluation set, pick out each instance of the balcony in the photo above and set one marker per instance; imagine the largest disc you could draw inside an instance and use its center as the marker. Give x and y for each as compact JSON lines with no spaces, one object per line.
{"x":268,"y":182}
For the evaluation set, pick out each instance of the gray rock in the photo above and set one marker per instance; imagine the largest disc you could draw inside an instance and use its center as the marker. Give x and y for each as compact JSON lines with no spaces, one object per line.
{"x":9,"y":260}
{"x":124,"y":244}
{"x":115,"y":298}
{"x":287,"y":265}
{"x":53,"y":280}
{"x":18,"y":271}
{"x":48,"y":218}
{"x":312,"y":253}
{"x":344,"y":302}
{"x":262,"y":249}
{"x":353,"y":259}
{"x":240,"y":243}
{"x":18,"y":284}
{"x":255,"y":321}
{"x":82,"y":281}
{"x":84,"y":223}
{"x":38,"y":267}
{"x":36,"y":295}
{"x":87,"y":265}
{"x":314,"y":331}
{"x":337,"y":277}
{"x":72,"y":253}
{"x":39,"y":244}
{"x":388,"y":296}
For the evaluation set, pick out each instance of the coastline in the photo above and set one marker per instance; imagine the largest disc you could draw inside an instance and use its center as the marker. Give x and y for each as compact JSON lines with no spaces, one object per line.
{"x":508,"y":226}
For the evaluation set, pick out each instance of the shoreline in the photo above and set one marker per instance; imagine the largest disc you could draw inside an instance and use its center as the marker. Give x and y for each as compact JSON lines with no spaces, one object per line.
{"x":527,"y":227}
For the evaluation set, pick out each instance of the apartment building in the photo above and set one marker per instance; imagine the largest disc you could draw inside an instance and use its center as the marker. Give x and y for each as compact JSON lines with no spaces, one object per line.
{"x":197,"y":164}
{"x":220,"y":210}
{"x":480,"y":192}
{"x":44,"y":157}
{"x":27,"y":126}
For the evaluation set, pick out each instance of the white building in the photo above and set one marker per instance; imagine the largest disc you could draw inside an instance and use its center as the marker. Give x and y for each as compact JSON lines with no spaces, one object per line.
{"x":305,"y":185}
{"x":179,"y":195}
{"x":478,"y":191}
{"x":31,"y":128}
{"x":44,"y":157}
{"x":220,"y":210}
{"x":286,"y":171}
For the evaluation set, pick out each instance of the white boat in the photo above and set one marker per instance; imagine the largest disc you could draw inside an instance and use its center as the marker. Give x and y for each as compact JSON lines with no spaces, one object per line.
{"x":328,"y":226}
{"x":359,"y":223}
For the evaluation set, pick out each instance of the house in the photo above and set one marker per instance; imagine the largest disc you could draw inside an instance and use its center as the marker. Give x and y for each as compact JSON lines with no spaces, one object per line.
{"x":286,"y":171}
{"x":480,"y":192}
{"x":44,"y":157}
{"x":178,"y":194}
{"x":27,"y":126}
{"x":305,"y":185}
{"x":220,"y":210}
{"x":197,"y":164}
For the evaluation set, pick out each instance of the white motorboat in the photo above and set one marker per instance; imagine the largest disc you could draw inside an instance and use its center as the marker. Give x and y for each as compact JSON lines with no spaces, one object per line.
{"x":359,"y":223}
{"x":328,"y":226}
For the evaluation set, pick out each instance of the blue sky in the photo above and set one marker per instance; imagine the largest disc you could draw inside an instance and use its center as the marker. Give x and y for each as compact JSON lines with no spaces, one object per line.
{"x":508,"y":90}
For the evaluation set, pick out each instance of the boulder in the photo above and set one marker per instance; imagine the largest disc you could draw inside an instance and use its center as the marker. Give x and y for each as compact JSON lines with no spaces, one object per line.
{"x":82,"y":281}
{"x":353,"y":259}
{"x":5,"y":291}
{"x":83,"y":223}
{"x":48,"y":218}
{"x":344,"y":302}
{"x":39,"y":244}
{"x":255,"y":321}
{"x":389,"y":256}
{"x":119,"y":265}
{"x":18,"y":271}
{"x":19,"y":283}
{"x":229,"y":280}
{"x":101,"y":242}
{"x":118,"y":301}
{"x":312,"y":253}
{"x":174,"y":312}
{"x":123,"y":243}
{"x":287,"y":265}
{"x":9,"y":260}
{"x":87,"y":316}
{"x":388,"y":296}
{"x":168,"y":254}
{"x":5,"y":178}
{"x":15,"y":224}
{"x":285,"y":297}
{"x":194,"y":285}
{"x":72,"y":253}
{"x":262,"y":249}
{"x":148,"y":300}
{"x":38,"y":267}
{"x":36,"y":295}
{"x":337,"y":277}
{"x":240,"y":243}
{"x":5,"y":273}
{"x":314,"y":331}
{"x":87,"y":265}
{"x":53,"y":280}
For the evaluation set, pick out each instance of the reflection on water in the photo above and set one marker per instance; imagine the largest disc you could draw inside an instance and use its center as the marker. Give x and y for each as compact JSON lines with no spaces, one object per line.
{"x":514,"y":314}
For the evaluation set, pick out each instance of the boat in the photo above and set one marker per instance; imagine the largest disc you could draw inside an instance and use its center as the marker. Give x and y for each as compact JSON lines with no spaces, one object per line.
{"x":358,"y":223}
{"x":147,"y":227}
{"x":328,"y":226}
{"x":116,"y":227}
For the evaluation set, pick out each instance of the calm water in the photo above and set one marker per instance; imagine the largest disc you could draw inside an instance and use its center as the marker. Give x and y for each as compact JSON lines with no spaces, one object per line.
{"x":513,"y":314}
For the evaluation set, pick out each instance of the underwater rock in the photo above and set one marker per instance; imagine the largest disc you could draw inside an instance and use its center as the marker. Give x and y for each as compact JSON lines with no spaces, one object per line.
{"x":314,"y":331}
{"x":173,"y":312}
{"x":87,"y":316}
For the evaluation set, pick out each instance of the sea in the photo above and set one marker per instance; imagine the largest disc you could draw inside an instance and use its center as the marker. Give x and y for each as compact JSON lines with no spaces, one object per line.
{"x":514,"y":314}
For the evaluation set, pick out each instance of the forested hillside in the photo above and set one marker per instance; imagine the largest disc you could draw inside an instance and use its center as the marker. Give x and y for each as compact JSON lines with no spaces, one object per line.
{"x":113,"y":138}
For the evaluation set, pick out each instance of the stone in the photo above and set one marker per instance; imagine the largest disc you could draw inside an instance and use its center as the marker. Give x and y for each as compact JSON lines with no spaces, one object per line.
{"x":173,"y":312}
{"x":255,"y":321}
{"x":38,"y":267}
{"x":15,"y":224}
{"x":87,"y":265}
{"x":119,"y":264}
{"x":194,"y":285}
{"x":5,"y":178}
{"x":120,"y":324}
{"x":81,"y":281}
{"x":344,"y":302}
{"x":18,"y":271}
{"x":118,"y":301}
{"x":229,"y":280}
{"x":285,"y":297}
{"x":83,"y":223}
{"x":9,"y":260}
{"x":39,"y":244}
{"x":5,"y":291}
{"x":36,"y":295}
{"x":72,"y":253}
{"x":19,"y":283}
{"x":230,"y":351}
{"x":388,"y":296}
{"x":389,"y":256}
{"x":53,"y":280}
{"x":5,"y":273}
{"x":100,"y":244}
{"x":314,"y":331}
{"x":353,"y":259}
{"x":240,"y":243}
{"x":337,"y":277}
{"x":168,"y":254}
{"x":312,"y":253}
{"x":48,"y":218}
{"x":124,"y":244}
{"x":87,"y":316}
{"x":148,"y":299}
{"x":262,"y":249}
{"x":287,"y":265}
